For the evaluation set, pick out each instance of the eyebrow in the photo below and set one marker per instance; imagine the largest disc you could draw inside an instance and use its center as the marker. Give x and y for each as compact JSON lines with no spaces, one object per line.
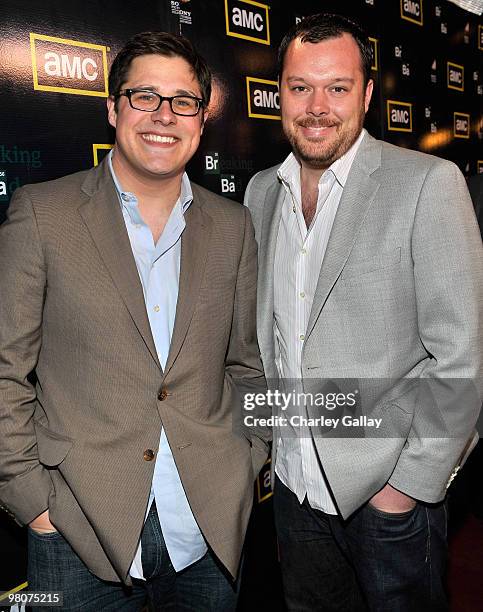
{"x":178,"y":92}
{"x":336,"y":80}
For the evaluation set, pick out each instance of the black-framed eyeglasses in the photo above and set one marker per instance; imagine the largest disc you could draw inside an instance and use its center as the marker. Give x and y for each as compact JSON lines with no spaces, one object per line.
{"x":149,"y":101}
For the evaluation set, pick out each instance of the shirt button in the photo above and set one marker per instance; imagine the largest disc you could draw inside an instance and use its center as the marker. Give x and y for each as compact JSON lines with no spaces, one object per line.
{"x":302,"y":337}
{"x":302,"y":294}
{"x":148,"y":454}
{"x":163,"y":394}
{"x":156,"y":308}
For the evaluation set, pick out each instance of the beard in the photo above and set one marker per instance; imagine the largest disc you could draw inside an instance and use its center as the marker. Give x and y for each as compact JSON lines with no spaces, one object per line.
{"x":319,"y":153}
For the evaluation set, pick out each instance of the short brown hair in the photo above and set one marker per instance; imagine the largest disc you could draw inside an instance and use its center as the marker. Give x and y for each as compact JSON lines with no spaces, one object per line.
{"x":322,"y":26}
{"x":159,"y":43}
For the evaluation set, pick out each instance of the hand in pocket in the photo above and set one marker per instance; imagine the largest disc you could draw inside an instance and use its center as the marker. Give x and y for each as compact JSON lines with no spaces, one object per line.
{"x":41,"y":524}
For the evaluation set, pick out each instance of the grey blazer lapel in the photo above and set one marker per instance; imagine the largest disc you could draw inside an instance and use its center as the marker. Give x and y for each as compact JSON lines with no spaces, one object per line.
{"x":357,"y":197}
{"x":194,"y":250}
{"x":272,"y":212}
{"x":102,"y":215}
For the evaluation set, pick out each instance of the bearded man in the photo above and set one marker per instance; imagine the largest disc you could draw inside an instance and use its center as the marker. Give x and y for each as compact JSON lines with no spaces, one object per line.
{"x":370,"y":287}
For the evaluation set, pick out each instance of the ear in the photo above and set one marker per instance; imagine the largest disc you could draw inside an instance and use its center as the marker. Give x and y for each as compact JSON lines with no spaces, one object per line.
{"x":368,"y":94}
{"x":111,"y":111}
{"x":204,"y":117}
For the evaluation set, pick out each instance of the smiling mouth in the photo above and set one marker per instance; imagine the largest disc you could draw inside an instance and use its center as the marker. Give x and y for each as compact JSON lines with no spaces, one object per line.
{"x":157,"y":138}
{"x":315,"y":131}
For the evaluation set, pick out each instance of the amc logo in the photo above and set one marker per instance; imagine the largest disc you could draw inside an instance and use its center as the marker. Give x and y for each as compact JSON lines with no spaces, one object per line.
{"x":412,"y":10}
{"x":99,"y":151}
{"x":263,"y":98}
{"x":374,"y":43}
{"x":68,"y":66}
{"x":399,"y":116}
{"x":456,"y":77}
{"x":248,"y":20}
{"x":461,"y":125}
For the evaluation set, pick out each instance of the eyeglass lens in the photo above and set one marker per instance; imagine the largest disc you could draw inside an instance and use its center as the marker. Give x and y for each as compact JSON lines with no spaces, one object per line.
{"x":149,"y":101}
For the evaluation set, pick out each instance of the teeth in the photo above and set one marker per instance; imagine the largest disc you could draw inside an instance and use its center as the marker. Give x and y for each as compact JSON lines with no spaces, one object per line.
{"x":156,"y":138}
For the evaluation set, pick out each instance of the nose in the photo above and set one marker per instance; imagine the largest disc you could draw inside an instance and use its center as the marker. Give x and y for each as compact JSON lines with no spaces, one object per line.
{"x":164,"y":114}
{"x":318,"y":103}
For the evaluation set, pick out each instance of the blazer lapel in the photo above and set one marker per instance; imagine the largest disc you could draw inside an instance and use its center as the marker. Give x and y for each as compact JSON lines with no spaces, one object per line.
{"x":102,"y":215}
{"x":272,"y":213}
{"x":357,"y":196}
{"x":194,"y":250}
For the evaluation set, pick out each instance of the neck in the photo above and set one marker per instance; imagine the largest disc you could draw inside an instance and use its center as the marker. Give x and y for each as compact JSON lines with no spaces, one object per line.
{"x":153,"y":191}
{"x":309,"y":191}
{"x":310,"y":177}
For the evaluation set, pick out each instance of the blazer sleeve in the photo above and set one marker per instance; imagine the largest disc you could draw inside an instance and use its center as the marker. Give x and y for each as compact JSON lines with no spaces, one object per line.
{"x":24,"y":483}
{"x":448,"y":273}
{"x":243,"y":361}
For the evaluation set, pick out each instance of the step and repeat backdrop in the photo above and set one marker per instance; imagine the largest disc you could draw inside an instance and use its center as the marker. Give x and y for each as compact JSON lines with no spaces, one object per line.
{"x":54,"y":61}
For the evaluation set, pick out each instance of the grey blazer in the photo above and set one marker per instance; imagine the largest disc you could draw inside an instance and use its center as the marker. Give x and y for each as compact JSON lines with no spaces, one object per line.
{"x":399,"y":302}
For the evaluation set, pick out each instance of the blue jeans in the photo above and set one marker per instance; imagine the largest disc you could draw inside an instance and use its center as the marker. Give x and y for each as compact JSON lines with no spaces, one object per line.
{"x":201,"y":587}
{"x":373,"y":561}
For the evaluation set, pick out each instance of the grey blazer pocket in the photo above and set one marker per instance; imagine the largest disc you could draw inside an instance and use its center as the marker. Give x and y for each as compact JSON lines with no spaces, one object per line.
{"x":386,"y":259}
{"x":52,"y":447}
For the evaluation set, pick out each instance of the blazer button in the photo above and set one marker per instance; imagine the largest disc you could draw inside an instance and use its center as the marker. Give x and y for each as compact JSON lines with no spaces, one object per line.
{"x":148,"y":455}
{"x":163,"y":394}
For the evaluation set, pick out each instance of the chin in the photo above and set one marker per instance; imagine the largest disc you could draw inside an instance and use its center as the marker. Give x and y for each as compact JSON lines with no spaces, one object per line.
{"x":318,"y":158}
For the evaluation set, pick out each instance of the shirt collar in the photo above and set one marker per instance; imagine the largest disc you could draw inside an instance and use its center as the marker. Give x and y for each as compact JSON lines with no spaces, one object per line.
{"x":126,"y":197}
{"x":289,"y":171}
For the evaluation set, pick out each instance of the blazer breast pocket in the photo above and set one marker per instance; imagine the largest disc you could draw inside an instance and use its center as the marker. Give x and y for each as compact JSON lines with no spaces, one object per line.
{"x":381,"y":261}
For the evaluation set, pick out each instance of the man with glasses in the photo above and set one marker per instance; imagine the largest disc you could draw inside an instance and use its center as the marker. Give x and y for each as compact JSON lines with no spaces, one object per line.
{"x":130,"y":293}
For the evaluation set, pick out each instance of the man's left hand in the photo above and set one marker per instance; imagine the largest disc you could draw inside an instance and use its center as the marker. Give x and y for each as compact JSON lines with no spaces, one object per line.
{"x":390,"y":500}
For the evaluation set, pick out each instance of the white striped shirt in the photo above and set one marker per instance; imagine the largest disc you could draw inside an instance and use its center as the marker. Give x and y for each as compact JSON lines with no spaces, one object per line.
{"x":298,"y":258}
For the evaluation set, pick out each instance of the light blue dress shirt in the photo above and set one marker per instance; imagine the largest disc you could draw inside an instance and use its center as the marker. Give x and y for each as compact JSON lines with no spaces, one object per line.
{"x":158,"y":266}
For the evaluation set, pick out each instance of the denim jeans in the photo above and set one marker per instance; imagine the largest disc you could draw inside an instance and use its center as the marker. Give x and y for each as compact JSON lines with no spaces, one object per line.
{"x":374,"y":561}
{"x":201,"y":587}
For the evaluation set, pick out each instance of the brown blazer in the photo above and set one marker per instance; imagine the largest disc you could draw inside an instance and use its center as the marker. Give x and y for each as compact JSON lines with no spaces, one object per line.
{"x":72,"y":310}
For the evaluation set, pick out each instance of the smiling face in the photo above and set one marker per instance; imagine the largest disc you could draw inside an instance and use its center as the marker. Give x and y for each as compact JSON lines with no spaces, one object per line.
{"x":323,"y":99}
{"x":155,"y":146}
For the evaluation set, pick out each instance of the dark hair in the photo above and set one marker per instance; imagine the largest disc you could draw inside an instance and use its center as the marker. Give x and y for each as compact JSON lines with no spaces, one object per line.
{"x":159,"y":43}
{"x":319,"y":27}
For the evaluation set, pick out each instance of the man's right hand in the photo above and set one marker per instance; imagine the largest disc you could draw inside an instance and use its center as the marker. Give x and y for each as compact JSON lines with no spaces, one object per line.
{"x":42,"y":524}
